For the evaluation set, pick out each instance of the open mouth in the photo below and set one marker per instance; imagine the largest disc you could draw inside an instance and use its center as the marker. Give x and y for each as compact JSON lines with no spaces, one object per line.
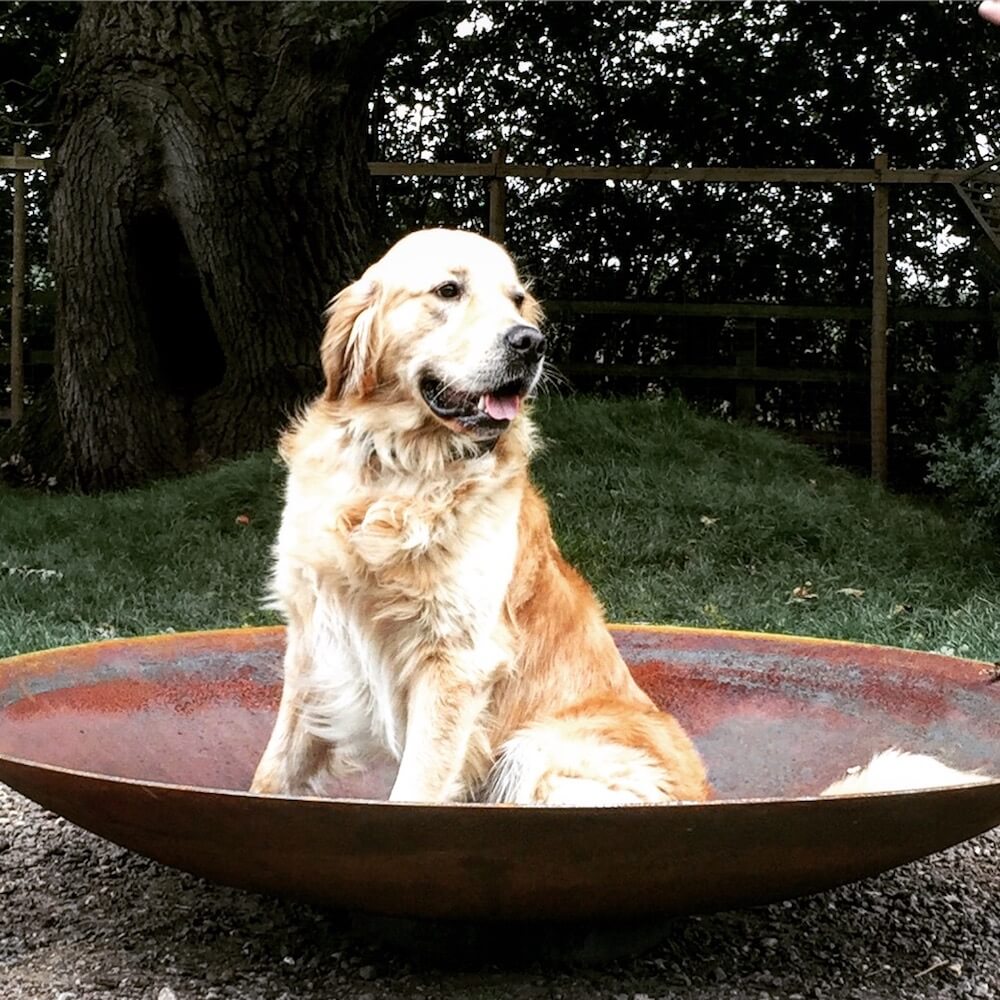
{"x":481,"y":409}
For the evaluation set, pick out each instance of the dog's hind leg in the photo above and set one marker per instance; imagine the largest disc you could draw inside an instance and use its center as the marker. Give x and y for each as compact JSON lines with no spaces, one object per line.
{"x":570,"y":790}
{"x":535,"y":770}
{"x":629,"y":756}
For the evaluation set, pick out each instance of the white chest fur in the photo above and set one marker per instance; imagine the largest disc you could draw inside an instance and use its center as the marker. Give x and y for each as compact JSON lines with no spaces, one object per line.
{"x":383,"y":580}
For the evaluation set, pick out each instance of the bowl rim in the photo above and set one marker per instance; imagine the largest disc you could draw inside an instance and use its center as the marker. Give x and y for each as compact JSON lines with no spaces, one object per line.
{"x":164,"y":638}
{"x":646,"y":627}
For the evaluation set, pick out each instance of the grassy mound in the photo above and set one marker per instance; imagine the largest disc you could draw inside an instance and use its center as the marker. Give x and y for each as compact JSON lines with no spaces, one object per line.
{"x":673,"y":517}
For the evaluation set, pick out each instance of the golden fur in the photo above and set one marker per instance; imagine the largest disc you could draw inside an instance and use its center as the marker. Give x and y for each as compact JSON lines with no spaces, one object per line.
{"x":431,"y":616}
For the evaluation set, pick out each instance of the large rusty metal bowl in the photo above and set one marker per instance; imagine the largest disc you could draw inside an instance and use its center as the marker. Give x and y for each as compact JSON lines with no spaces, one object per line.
{"x":152,"y":742}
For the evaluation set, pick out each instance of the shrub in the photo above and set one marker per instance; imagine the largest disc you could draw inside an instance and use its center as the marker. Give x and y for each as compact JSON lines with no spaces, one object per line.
{"x":969,"y":469}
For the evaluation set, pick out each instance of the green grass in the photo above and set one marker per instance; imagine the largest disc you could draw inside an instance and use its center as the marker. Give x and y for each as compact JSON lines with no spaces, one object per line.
{"x":674,"y":518}
{"x":171,"y":556}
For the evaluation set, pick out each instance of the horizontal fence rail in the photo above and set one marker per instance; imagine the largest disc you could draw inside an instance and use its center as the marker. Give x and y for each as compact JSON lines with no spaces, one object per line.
{"x":20,"y":161}
{"x":704,"y":175}
{"x":571,"y":171}
{"x":762,"y":310}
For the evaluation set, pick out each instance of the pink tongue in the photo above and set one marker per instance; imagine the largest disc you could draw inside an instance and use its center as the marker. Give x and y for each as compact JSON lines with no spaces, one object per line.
{"x":502,"y":407}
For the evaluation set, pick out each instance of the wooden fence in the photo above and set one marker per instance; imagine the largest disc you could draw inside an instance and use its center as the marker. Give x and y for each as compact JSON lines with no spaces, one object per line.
{"x":881,"y":177}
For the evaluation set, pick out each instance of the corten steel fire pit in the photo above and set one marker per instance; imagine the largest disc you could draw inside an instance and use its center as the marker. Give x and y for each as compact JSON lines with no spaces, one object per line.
{"x":152,"y":742}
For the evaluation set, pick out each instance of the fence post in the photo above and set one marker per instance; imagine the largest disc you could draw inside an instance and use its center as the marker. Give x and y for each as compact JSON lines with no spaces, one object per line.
{"x":17,"y":296}
{"x":745,"y":354}
{"x":879,"y":338}
{"x":498,"y":197}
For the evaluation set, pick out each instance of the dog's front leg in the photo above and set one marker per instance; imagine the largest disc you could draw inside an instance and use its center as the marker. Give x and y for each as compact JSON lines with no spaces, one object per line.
{"x":294,"y":757}
{"x":444,"y":715}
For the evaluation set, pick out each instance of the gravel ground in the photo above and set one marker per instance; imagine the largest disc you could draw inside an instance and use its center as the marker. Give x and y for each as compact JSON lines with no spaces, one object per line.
{"x":81,"y":918}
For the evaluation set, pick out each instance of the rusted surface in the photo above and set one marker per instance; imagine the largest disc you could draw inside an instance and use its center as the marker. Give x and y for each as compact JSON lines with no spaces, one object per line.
{"x":152,"y":742}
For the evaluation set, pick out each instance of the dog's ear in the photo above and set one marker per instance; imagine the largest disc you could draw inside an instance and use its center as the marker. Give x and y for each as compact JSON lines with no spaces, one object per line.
{"x":350,"y":344}
{"x":531,"y":310}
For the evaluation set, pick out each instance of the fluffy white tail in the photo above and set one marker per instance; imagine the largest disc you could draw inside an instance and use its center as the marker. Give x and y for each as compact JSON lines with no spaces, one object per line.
{"x":897,"y":771}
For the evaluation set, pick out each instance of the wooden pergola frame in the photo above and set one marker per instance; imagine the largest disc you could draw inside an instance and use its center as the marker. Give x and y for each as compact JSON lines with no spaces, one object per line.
{"x":880,"y":176}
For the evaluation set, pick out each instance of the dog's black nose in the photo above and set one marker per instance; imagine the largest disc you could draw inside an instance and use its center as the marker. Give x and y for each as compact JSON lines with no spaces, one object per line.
{"x":526,"y":340}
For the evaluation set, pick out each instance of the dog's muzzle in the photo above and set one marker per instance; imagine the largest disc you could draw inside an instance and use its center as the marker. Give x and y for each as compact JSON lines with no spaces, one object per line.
{"x":485,"y":406}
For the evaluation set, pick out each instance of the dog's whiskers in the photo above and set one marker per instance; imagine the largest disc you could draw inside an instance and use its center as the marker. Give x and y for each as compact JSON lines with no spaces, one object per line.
{"x":552,"y":381}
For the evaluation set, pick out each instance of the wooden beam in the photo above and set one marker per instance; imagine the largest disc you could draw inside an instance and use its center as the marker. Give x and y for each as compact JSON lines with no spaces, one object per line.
{"x":498,"y":198}
{"x":880,"y":329}
{"x":745,"y":358}
{"x":761,"y":310}
{"x":571,"y":171}
{"x":757,"y":373}
{"x":734,"y":310}
{"x":711,"y":373}
{"x":718,"y":175}
{"x":722,"y":373}
{"x":19,"y":161}
{"x":380,"y":169}
{"x":44,"y":296}
{"x":17,"y":295}
{"x":41,"y":359}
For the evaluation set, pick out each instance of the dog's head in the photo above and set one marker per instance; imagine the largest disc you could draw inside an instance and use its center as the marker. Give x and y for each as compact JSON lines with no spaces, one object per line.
{"x":443,"y":322}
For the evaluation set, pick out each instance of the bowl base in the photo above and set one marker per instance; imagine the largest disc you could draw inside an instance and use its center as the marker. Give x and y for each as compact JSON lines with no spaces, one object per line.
{"x":472,"y":943}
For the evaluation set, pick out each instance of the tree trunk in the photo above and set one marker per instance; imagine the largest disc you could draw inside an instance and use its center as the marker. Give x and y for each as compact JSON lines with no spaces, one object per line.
{"x":210,"y":194}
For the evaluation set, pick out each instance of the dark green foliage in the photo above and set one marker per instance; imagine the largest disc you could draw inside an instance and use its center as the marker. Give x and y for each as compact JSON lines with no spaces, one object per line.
{"x":817,"y":84}
{"x":708,"y":84}
{"x":33,"y":39}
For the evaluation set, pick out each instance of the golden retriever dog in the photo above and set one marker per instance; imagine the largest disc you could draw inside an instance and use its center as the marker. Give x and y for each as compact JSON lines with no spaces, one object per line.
{"x":430,"y":614}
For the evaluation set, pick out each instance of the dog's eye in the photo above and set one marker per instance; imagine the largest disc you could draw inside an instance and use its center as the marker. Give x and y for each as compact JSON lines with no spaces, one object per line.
{"x":518,"y":298}
{"x":449,"y":290}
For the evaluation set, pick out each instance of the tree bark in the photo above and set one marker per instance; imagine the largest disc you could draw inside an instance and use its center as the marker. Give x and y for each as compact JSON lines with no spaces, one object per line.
{"x":210,"y":194}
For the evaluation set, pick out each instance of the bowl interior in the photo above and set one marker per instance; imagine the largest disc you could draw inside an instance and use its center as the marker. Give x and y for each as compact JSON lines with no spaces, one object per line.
{"x":774,"y":717}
